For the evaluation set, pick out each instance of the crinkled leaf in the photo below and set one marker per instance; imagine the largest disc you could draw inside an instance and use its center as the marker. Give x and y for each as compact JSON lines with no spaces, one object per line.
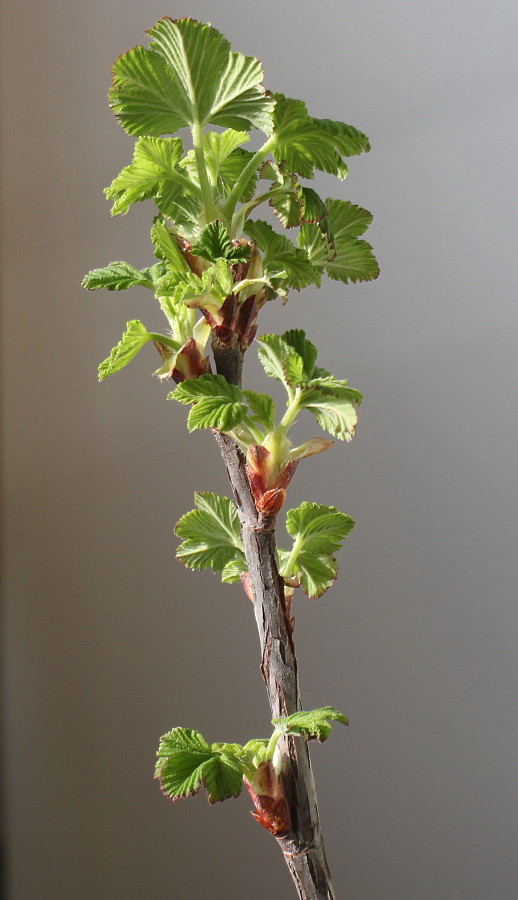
{"x":118,"y":276}
{"x":333,"y":404}
{"x":281,"y":257}
{"x":133,"y":339}
{"x":304,"y":143}
{"x":316,"y":574}
{"x":317,"y":532}
{"x":232,"y":571}
{"x":183,"y":210}
{"x":186,"y":762}
{"x":272,"y":352}
{"x":214,"y":243}
{"x":154,"y":161}
{"x":217,"y":404}
{"x":210,"y":534}
{"x":231,"y":169}
{"x":319,"y":529}
{"x":166,"y":247}
{"x":337,"y":248}
{"x":296,"y":338}
{"x":189,"y":75}
{"x":181,"y":319}
{"x":313,"y":725}
{"x":263,"y":409}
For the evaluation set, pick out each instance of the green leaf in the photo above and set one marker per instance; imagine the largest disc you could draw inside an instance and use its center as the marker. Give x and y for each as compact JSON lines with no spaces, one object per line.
{"x":183,"y":210}
{"x":188,"y":76}
{"x":281,"y":257}
{"x":317,"y":532}
{"x":317,"y":574}
{"x":232,"y":571}
{"x":214,"y":243}
{"x":339,"y":252}
{"x":319,"y":529}
{"x":154,"y":161}
{"x":210,"y":533}
{"x":166,"y":247}
{"x":222,"y":777}
{"x":133,"y":339}
{"x":181,"y":319}
{"x":312,"y":725}
{"x":297,"y":339}
{"x":273,"y":351}
{"x":289,"y":358}
{"x":263,"y":409}
{"x":303,"y":143}
{"x":118,"y":276}
{"x":185,"y":762}
{"x":333,"y":404}
{"x":231,"y":170}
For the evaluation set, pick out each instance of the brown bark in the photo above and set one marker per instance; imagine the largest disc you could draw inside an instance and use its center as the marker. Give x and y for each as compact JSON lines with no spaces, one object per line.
{"x":302,"y":845}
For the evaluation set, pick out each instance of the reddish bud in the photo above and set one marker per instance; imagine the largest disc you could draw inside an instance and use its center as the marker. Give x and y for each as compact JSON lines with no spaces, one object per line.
{"x":267,"y":793}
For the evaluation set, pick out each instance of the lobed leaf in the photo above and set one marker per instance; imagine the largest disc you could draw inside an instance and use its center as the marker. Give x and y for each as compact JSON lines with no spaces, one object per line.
{"x":210,"y":533}
{"x":118,"y":276}
{"x":154,"y":161}
{"x":188,"y":76}
{"x":303,"y":143}
{"x":185,"y":762}
{"x":263,"y":409}
{"x":281,"y":257}
{"x":317,"y":532}
{"x":313,"y":725}
{"x":217,"y":404}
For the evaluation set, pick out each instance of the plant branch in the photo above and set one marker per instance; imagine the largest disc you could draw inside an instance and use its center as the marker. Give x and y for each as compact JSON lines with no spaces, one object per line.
{"x":302,"y":845}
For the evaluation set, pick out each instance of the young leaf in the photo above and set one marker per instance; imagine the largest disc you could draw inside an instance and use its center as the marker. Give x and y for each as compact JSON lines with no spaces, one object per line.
{"x":214,"y":243}
{"x":189,"y":76}
{"x":303,"y":143}
{"x":210,"y":533}
{"x":217,"y":404}
{"x":297,"y":339}
{"x":320,"y":530}
{"x":281,"y":257}
{"x":118,"y":276}
{"x":339,"y":252}
{"x":289,"y":358}
{"x":232,"y":571}
{"x":167,"y":249}
{"x":263,"y":409}
{"x":333,"y":404}
{"x":186,"y":762}
{"x":154,"y":161}
{"x":272,"y":352}
{"x":312,"y":725}
{"x":133,"y":339}
{"x":317,"y":532}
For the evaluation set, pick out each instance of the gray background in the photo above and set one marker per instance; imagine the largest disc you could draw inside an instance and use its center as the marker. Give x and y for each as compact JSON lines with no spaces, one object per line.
{"x":109,"y":641}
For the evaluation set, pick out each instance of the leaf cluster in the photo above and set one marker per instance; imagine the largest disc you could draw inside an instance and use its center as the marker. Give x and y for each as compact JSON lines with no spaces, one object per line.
{"x":186,"y":762}
{"x":211,"y":539}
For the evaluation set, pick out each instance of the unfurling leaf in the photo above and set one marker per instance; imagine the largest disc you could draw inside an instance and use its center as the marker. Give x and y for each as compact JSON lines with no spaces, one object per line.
{"x":313,"y":725}
{"x":337,"y":249}
{"x":133,"y":339}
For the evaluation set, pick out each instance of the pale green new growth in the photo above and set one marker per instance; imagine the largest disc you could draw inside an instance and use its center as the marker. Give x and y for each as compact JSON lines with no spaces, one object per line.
{"x":210,"y":533}
{"x":186,"y":762}
{"x":312,"y":725}
{"x":218,"y":266}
